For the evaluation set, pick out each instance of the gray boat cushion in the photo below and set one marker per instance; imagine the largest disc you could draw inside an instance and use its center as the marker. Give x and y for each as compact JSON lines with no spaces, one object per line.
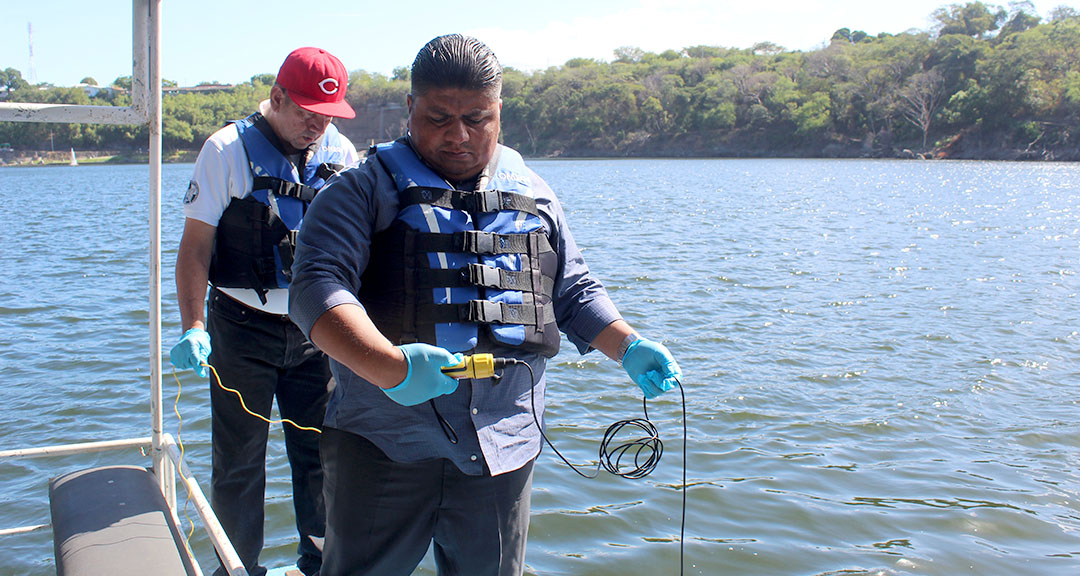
{"x":113,"y":520}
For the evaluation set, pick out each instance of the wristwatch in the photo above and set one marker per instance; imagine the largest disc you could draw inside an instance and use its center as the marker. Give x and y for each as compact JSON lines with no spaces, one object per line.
{"x":626,"y":342}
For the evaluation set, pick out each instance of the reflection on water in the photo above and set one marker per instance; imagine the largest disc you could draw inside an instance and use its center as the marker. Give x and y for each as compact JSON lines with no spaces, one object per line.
{"x":879,"y":358}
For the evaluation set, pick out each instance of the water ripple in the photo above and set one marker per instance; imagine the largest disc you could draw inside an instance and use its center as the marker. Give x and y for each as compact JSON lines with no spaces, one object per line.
{"x":880,"y":362}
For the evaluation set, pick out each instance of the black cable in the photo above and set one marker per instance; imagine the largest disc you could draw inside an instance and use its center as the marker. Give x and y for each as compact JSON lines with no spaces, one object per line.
{"x":447,"y":429}
{"x":682,"y":527}
{"x":646,"y":451}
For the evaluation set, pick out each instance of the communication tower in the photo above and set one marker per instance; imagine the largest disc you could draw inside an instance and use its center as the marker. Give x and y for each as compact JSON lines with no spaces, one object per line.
{"x":31,"y":74}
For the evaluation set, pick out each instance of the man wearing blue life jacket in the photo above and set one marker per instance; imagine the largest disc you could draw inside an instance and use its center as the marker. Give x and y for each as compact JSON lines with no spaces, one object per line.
{"x":444,"y":243}
{"x":253,"y":182}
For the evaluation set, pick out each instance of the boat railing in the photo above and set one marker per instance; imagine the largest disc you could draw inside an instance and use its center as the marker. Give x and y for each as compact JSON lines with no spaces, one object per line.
{"x":145,"y":110}
{"x":175,"y":465}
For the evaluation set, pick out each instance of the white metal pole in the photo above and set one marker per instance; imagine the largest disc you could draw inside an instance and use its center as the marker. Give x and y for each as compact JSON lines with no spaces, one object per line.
{"x":150,"y":12}
{"x":69,"y":113}
{"x":140,"y":57}
{"x":226,"y":553}
{"x":80,"y":448}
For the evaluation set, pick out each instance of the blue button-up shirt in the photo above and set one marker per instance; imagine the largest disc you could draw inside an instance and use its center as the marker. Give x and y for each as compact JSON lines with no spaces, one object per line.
{"x":493,"y":420}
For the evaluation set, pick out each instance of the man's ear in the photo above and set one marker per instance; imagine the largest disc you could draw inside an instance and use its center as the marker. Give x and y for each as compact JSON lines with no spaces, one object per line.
{"x":277,"y":97}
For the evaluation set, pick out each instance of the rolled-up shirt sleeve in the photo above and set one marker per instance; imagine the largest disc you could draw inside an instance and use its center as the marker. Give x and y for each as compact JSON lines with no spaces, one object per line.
{"x":333,"y":247}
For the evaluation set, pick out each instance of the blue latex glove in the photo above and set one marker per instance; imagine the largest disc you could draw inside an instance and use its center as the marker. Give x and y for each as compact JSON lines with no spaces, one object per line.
{"x":425,"y":379}
{"x":651,"y":366}
{"x":192,"y":351}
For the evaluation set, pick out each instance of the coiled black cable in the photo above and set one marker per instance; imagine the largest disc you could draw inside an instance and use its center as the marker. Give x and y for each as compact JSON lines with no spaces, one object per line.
{"x":646,"y":451}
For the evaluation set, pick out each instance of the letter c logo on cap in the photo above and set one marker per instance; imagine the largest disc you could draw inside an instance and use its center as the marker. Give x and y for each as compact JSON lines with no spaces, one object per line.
{"x":325,"y":82}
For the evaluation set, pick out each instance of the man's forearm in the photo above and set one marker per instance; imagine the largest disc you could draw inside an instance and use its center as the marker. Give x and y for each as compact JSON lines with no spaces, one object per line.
{"x":191,"y":297}
{"x":192,"y":271}
{"x":192,"y":314}
{"x":346,"y":334}
{"x":609,"y":339}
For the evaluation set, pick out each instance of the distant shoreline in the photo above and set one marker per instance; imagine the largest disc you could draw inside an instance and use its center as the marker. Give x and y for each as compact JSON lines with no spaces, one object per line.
{"x":29,"y":159}
{"x":25,"y":158}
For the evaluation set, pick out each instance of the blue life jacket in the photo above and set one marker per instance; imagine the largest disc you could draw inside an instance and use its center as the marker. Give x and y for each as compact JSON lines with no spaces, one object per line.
{"x":257,"y":233}
{"x":458,"y":267}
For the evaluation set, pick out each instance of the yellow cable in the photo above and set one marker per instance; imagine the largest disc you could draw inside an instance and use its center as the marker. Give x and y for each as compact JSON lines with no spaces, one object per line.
{"x":259,"y":416}
{"x":180,"y":426}
{"x":180,"y":443}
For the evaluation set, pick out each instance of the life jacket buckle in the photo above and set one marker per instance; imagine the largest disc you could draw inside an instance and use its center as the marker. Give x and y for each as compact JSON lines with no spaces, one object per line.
{"x":328,"y":169}
{"x":476,"y":242}
{"x":483,"y":311}
{"x":482,"y":275}
{"x":486,"y":201}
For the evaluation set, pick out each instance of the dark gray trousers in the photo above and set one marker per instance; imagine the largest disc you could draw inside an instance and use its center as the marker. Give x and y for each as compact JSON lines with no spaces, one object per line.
{"x":382,"y":515}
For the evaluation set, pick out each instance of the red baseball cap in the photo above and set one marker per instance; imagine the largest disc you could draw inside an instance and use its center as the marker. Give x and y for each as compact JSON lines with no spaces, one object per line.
{"x":316,"y":81}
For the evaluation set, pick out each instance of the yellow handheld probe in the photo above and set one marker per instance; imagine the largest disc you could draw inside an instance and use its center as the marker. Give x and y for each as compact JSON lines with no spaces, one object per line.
{"x":475,"y":366}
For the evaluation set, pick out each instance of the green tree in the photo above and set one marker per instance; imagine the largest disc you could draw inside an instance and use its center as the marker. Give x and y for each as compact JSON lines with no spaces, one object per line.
{"x":955,"y":56}
{"x":1022,"y":16}
{"x":1063,"y":12}
{"x":767,"y":48}
{"x":263,"y":80}
{"x":812,"y":115}
{"x":629,"y":54}
{"x":12,"y":80}
{"x":971,"y":19}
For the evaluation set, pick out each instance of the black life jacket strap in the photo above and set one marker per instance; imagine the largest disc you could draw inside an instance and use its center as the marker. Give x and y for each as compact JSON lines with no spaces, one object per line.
{"x":266,"y":266}
{"x":255,"y":272}
{"x":280,"y":187}
{"x":485,"y":276}
{"x":487,"y":243}
{"x":260,"y":291}
{"x":286,"y":248}
{"x":472,"y":201}
{"x":531,"y":313}
{"x":328,"y":169}
{"x":408,"y":286}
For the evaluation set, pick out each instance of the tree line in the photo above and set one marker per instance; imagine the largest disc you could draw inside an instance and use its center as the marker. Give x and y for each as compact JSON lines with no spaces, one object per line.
{"x":983,"y":82}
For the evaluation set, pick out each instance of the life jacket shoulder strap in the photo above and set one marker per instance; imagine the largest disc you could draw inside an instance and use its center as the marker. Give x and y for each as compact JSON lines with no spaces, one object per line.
{"x":285,"y":188}
{"x":289,"y":189}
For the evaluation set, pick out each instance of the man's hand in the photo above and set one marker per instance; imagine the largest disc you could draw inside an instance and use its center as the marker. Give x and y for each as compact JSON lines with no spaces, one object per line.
{"x":651,"y":366}
{"x":425,"y":379}
{"x":192,"y":351}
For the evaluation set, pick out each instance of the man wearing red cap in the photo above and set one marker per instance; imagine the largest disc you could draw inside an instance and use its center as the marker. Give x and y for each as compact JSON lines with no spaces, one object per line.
{"x":253,"y":181}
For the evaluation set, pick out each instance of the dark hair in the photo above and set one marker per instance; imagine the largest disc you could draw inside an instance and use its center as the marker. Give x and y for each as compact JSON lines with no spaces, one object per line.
{"x":456,"y":61}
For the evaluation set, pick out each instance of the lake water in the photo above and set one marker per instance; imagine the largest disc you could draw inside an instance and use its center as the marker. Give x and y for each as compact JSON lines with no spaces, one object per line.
{"x":881,"y":360}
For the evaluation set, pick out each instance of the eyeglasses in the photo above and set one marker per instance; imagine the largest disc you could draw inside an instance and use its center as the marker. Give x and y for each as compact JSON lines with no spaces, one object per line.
{"x":307,"y":115}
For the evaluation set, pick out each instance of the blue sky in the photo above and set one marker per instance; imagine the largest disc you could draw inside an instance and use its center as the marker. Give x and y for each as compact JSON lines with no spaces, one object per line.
{"x":207,"y":40}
